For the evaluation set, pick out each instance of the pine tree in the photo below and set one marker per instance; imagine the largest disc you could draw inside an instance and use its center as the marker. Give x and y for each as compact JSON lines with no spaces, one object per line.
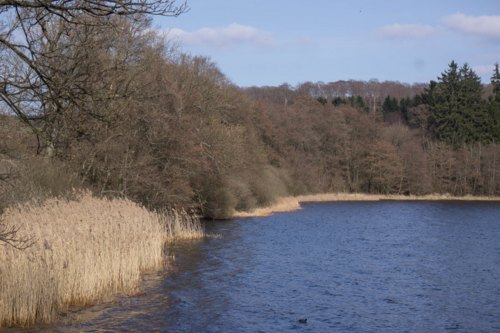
{"x":470,"y":88}
{"x":494,"y":106}
{"x":478,"y":126}
{"x":495,"y":82}
{"x":338,"y":101}
{"x":322,"y":100}
{"x":458,"y":114}
{"x":390,"y":105}
{"x":445,"y":115}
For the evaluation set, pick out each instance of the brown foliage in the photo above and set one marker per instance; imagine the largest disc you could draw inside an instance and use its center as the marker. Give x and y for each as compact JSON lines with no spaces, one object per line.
{"x":170,"y":130}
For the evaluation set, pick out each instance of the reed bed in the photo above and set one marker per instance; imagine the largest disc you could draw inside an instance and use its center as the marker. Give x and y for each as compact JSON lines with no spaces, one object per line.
{"x":84,"y":251}
{"x":287,"y":204}
{"x":284,"y":204}
{"x":326,"y":197}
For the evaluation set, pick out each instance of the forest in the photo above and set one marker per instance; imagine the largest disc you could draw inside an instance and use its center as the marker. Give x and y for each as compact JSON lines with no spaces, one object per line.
{"x":114,"y":143}
{"x":105,"y":103}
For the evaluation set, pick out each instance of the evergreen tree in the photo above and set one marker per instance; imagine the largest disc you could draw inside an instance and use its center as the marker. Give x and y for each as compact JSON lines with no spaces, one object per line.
{"x":494,"y":106}
{"x":390,"y":105}
{"x":417,"y":100}
{"x":495,"y":82}
{"x":427,"y":96}
{"x":458,"y":115}
{"x":360,"y":103}
{"x":444,"y":105}
{"x":338,"y":100}
{"x":322,"y":100}
{"x":405,"y":104}
{"x":478,"y":120}
{"x":470,"y":88}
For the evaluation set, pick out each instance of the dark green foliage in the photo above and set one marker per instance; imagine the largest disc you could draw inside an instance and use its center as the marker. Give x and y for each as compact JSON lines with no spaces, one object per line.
{"x":495,"y":82}
{"x":494,"y":104}
{"x":357,"y":102}
{"x":360,"y":103}
{"x":458,"y":114}
{"x":401,"y":111}
{"x":322,"y":100}
{"x":338,"y":101}
{"x":390,"y":105}
{"x":407,"y":103}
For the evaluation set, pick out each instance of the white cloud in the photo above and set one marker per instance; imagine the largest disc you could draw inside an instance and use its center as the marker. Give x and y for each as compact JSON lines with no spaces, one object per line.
{"x":407,"y":31}
{"x":224,"y":36}
{"x":483,"y":26}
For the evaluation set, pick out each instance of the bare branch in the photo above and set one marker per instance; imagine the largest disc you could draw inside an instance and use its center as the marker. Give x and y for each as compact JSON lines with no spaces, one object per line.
{"x":9,"y":236}
{"x":54,"y":53}
{"x":71,"y":9}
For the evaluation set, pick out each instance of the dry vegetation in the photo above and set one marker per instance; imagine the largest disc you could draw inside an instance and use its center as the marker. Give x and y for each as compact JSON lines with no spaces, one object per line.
{"x":328,"y":197}
{"x":91,"y":97}
{"x":84,"y":251}
{"x":143,"y":121}
{"x":288,"y":204}
{"x":285,"y":204}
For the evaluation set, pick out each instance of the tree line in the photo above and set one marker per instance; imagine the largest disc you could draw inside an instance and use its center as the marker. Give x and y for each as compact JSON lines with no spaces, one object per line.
{"x":95,"y":98}
{"x":460,"y":111}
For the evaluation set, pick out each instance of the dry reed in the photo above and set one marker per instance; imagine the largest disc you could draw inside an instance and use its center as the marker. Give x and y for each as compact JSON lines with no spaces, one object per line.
{"x":287,"y":204}
{"x":326,"y":197}
{"x":284,"y":204}
{"x":85,"y":251}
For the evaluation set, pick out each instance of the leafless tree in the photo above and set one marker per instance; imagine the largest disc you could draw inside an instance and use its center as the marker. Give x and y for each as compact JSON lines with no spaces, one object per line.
{"x":45,"y":49}
{"x":61,"y":60}
{"x":71,"y":9}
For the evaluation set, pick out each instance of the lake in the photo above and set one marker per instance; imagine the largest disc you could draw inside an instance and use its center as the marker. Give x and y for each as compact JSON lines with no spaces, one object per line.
{"x":346,"y":266}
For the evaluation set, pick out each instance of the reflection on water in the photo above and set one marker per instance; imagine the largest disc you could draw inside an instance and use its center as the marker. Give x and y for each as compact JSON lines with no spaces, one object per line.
{"x":346,"y":267}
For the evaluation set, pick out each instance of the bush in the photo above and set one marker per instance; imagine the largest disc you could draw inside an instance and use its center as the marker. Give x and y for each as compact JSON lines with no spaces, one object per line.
{"x":34,"y":179}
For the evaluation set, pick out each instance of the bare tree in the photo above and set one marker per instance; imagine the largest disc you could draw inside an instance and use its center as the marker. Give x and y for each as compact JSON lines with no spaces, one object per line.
{"x":44,"y":55}
{"x":71,"y":9}
{"x":60,"y":62}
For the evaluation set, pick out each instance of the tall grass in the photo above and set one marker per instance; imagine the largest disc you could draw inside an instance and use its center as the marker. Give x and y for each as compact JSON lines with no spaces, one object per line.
{"x":84,"y":251}
{"x":287,"y":204}
{"x":284,"y":204}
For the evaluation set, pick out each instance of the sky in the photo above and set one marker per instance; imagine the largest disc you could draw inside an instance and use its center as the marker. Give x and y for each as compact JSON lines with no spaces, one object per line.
{"x":271,"y":42}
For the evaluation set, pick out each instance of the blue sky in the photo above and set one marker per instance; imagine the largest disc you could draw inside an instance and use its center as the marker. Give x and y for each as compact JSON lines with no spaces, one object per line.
{"x":270,"y":42}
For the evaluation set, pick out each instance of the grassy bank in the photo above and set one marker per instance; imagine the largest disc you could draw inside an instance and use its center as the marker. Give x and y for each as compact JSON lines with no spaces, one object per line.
{"x":84,"y":251}
{"x":287,"y":204}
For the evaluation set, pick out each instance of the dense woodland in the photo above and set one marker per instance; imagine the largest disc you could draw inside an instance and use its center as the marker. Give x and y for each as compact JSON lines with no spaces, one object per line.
{"x":104,"y":102}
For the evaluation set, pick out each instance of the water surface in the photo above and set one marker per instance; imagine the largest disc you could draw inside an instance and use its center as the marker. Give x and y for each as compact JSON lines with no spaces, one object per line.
{"x":346,"y":267}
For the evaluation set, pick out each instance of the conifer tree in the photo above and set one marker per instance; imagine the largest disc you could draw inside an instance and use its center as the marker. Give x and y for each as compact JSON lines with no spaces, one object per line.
{"x":458,"y":114}
{"x":445,"y":115}
{"x":494,"y":106}
{"x":390,"y":105}
{"x":495,"y":82}
{"x":478,"y":121}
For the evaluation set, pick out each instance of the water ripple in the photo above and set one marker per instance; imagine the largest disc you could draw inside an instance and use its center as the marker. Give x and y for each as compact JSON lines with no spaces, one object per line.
{"x":346,"y":267}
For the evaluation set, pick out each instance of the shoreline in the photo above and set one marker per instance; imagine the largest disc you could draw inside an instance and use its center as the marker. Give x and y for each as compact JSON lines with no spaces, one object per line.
{"x":78,"y":252}
{"x":292,"y":203}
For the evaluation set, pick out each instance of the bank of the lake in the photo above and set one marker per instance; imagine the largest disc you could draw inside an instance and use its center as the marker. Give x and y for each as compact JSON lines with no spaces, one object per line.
{"x":292,"y":203}
{"x":357,"y":266}
{"x":89,"y":250}
{"x":66,"y":254}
